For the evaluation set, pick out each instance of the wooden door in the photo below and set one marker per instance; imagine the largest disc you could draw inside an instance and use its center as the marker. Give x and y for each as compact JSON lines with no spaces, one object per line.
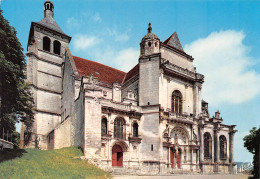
{"x":172,"y":157}
{"x":179,"y":159}
{"x":120,"y":159}
{"x":117,"y":156}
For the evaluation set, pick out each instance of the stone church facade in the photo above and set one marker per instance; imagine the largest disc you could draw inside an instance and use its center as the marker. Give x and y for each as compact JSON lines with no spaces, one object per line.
{"x":150,"y":120}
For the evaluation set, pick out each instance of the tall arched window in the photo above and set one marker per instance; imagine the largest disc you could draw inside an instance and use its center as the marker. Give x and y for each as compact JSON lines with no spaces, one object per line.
{"x":135,"y":130}
{"x":56,"y":47}
{"x":207,"y":145}
{"x":46,"y":43}
{"x":177,"y":102}
{"x":119,"y":128}
{"x":104,"y":126}
{"x":223,"y":147}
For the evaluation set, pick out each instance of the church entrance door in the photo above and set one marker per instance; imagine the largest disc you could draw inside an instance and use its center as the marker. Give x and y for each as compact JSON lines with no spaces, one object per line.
{"x":172,"y":157}
{"x":117,"y":156}
{"x":179,"y":159}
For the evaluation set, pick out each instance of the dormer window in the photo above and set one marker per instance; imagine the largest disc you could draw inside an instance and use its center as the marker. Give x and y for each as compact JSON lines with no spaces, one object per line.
{"x":149,"y":44}
{"x":46,"y":43}
{"x":155,"y":44}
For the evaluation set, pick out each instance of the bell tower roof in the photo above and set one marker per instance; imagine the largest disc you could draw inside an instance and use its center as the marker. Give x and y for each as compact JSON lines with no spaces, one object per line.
{"x":48,"y":20}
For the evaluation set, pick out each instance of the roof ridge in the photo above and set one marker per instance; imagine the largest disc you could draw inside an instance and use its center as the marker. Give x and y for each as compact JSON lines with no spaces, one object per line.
{"x":167,"y":40}
{"x":99,"y":63}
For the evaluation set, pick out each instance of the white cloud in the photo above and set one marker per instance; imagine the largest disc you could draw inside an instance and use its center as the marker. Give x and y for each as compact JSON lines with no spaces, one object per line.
{"x":72,"y":23}
{"x":127,"y":59}
{"x":82,"y":42}
{"x":118,"y":36}
{"x":124,"y":59}
{"x":224,"y":60}
{"x":96,"y":17}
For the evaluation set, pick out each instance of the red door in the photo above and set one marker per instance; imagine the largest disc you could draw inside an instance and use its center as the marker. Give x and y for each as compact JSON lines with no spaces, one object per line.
{"x":172,"y":157}
{"x":179,"y":159}
{"x":117,"y":156}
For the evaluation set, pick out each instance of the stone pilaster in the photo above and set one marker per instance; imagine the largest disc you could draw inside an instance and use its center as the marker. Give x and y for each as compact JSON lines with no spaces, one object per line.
{"x":216,"y":149}
{"x":191,"y":155}
{"x":231,"y":152}
{"x":231,"y":147}
{"x":201,"y":128}
{"x":197,"y":159}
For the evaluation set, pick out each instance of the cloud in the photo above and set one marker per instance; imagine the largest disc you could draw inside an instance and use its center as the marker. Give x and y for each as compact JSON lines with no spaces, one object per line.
{"x":118,"y":36}
{"x":96,"y":17}
{"x":72,"y":23}
{"x":124,"y":59}
{"x":127,"y":59}
{"x":83,"y":42}
{"x":225,"y":61}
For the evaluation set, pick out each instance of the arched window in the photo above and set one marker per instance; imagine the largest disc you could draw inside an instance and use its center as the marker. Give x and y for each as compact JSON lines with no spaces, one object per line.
{"x":207,"y":145}
{"x":119,"y":128}
{"x":135,"y":130}
{"x":104,"y":126}
{"x":46,"y":43}
{"x":223,"y":147}
{"x":177,"y":102}
{"x":56,"y":47}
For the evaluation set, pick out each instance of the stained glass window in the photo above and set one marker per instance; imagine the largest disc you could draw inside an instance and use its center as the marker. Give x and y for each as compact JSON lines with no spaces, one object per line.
{"x":177,"y":102}
{"x":207,"y":145}
{"x":223,"y":147}
{"x":119,"y":128}
{"x":104,"y":126}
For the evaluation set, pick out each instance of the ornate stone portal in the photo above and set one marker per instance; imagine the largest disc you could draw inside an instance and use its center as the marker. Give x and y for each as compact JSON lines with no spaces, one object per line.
{"x":150,"y":120}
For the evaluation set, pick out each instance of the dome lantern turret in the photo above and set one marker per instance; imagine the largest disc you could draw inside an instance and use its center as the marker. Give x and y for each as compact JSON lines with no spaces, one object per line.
{"x":150,"y":43}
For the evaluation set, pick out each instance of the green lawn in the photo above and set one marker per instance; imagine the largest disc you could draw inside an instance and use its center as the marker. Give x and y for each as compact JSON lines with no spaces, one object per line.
{"x":33,"y":163}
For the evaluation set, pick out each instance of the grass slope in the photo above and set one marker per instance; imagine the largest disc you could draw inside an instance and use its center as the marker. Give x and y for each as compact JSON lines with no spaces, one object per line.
{"x":33,"y":163}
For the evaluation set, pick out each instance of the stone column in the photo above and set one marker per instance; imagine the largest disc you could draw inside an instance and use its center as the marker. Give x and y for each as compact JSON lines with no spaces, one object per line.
{"x":191,"y":158}
{"x":201,"y":143}
{"x":197,"y":159}
{"x":216,"y":145}
{"x":231,"y":147}
{"x":191,"y":155}
{"x":216,"y":149}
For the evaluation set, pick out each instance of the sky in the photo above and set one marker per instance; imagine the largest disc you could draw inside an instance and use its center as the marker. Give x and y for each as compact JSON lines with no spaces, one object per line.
{"x":222,"y":36}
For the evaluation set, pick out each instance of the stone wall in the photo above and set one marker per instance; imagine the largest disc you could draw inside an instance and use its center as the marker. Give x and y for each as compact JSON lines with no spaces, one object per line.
{"x":166,"y":87}
{"x":62,"y":135}
{"x":78,"y":122}
{"x":149,"y":81}
{"x":176,"y":59}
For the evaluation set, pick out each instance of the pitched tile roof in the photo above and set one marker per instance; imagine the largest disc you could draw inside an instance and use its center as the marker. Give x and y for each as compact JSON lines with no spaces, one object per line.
{"x":102,"y":72}
{"x":134,"y":71}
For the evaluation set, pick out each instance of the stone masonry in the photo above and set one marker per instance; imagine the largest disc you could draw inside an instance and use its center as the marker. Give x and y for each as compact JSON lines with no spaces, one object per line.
{"x":150,"y":120}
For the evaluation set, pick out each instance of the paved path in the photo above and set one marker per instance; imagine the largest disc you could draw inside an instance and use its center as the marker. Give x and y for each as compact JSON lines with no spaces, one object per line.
{"x":238,"y":176}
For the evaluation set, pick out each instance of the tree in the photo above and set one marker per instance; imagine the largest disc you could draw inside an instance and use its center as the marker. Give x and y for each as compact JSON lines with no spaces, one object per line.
{"x":252,"y":143}
{"x":16,"y":102}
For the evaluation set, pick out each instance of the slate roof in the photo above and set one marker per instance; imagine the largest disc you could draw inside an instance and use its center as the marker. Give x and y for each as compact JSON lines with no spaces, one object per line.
{"x":102,"y":72}
{"x":174,"y":41}
{"x":50,"y":23}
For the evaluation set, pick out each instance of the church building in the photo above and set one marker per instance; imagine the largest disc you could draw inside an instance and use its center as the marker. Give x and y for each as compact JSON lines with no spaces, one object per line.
{"x":149,"y":120}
